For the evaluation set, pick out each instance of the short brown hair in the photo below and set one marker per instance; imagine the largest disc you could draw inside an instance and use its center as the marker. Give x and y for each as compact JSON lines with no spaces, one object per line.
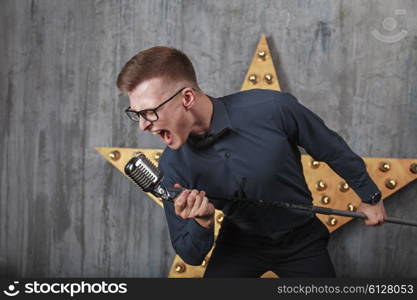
{"x":155,"y":62}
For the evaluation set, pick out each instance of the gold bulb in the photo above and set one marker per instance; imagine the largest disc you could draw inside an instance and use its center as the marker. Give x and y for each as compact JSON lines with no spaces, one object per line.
{"x":390,"y":183}
{"x":384,"y":166}
{"x":157,"y":156}
{"x":325,"y":199}
{"x":262,"y":55}
{"x":332,"y":221}
{"x":343,"y":187}
{"x":351,"y":207}
{"x":268,"y":78}
{"x":114,"y":155}
{"x":413,"y":168}
{"x":204,"y":263}
{"x":180,"y":268}
{"x":219,"y":218}
{"x":252,"y":78}
{"x":314,"y":164}
{"x":321,"y":185}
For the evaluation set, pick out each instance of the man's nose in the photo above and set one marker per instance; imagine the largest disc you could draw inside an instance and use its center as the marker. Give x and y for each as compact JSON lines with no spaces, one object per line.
{"x":144,"y":124}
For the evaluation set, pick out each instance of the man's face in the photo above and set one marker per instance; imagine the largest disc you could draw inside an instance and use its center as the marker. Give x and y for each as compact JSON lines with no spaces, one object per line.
{"x":173,"y":125}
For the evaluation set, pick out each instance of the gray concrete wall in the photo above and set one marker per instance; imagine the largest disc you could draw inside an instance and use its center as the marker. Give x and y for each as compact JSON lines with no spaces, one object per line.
{"x":64,"y":211}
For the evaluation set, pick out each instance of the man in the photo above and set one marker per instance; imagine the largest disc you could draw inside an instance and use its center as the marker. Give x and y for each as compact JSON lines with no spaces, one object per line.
{"x":242,"y":145}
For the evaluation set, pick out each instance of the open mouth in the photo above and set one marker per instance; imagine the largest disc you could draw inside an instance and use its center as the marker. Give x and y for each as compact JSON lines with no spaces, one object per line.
{"x":165,"y":135}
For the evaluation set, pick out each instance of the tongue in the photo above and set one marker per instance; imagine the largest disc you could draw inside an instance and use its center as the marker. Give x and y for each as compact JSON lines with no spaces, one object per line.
{"x":168,"y":137}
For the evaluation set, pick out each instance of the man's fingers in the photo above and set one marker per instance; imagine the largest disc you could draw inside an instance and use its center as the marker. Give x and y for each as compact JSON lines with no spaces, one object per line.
{"x":191,"y":198}
{"x":188,"y":204}
{"x":373,"y":220}
{"x":370,"y":219}
{"x":196,"y":206}
{"x":385,"y":214}
{"x":375,"y":214}
{"x":380,"y":222}
{"x":181,"y":201}
{"x":370,"y":223}
{"x":205,"y":207}
{"x":203,"y":202}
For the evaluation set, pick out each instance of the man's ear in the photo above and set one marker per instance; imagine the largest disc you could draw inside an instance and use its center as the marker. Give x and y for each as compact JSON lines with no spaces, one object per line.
{"x":189,"y":98}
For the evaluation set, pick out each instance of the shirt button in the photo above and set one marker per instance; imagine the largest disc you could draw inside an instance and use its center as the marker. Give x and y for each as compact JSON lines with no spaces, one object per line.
{"x":227,"y":154}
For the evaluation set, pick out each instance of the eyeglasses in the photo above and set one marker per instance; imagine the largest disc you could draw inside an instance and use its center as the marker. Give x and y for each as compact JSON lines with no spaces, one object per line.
{"x":148,"y":114}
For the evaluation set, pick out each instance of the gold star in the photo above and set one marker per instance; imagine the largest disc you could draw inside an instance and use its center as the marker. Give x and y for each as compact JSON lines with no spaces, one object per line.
{"x":328,"y":188}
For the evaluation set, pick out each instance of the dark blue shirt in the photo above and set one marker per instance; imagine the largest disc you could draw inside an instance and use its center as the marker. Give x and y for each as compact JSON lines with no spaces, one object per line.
{"x":258,"y":158}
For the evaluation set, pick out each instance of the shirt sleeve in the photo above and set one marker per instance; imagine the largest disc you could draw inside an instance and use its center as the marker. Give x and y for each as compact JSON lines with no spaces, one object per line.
{"x":190,"y":240}
{"x":310,"y":132}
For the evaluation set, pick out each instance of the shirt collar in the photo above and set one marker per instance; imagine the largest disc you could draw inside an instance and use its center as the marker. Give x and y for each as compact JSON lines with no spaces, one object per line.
{"x":220,"y":119}
{"x":220,"y":126}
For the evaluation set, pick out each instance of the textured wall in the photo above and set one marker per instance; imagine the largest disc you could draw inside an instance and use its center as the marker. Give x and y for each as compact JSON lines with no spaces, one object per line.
{"x":65,"y":212}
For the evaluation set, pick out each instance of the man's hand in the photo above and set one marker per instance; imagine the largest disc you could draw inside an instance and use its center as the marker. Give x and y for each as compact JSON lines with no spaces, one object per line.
{"x":193,"y":204}
{"x":376,"y":214}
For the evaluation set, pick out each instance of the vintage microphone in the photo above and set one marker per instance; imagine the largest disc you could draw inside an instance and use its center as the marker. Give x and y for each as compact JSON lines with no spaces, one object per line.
{"x":148,"y":177}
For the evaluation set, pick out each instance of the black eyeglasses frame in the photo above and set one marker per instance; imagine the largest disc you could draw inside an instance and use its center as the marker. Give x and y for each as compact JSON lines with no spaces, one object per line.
{"x":143,"y":113}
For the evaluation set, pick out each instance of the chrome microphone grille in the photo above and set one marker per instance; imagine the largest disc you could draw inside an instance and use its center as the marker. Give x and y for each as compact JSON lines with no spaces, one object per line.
{"x":143,"y":172}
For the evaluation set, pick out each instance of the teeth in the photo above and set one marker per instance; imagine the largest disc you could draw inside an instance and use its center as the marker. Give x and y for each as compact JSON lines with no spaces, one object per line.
{"x":156,"y":132}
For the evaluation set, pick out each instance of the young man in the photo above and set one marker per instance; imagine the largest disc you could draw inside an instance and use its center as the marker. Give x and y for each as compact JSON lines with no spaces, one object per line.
{"x":244,"y":145}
